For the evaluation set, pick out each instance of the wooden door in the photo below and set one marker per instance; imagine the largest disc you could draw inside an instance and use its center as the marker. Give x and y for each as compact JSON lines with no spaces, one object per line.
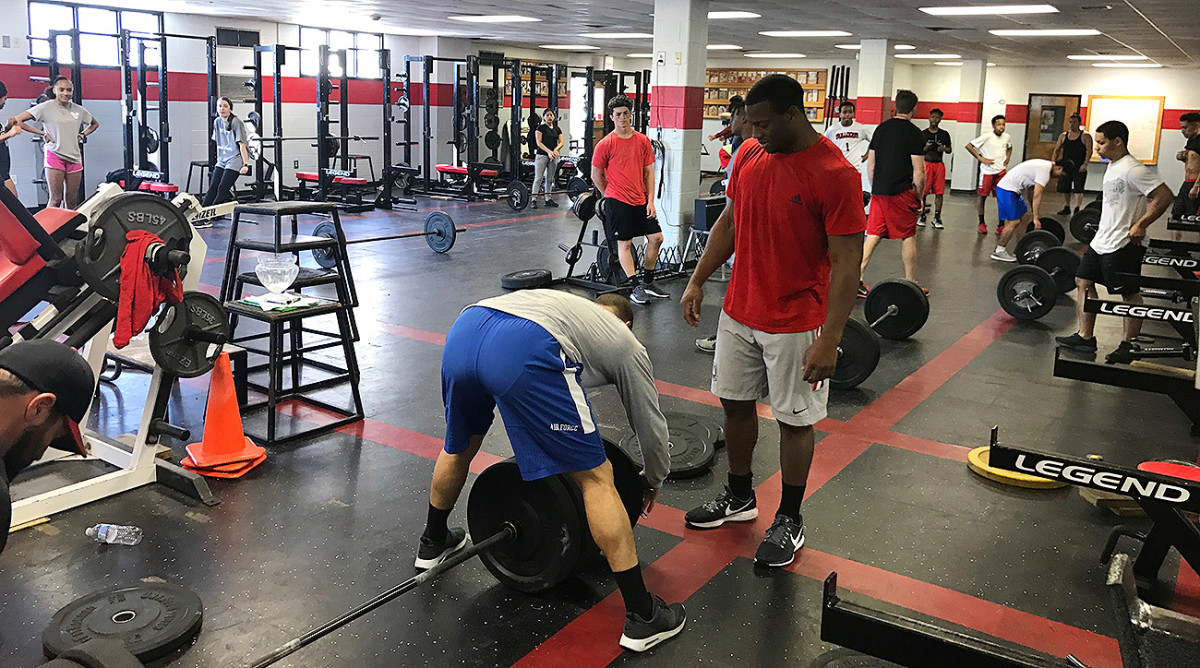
{"x":1048,"y":114}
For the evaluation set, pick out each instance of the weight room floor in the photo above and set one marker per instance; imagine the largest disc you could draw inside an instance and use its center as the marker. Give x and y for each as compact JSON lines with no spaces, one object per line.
{"x":324,"y":525}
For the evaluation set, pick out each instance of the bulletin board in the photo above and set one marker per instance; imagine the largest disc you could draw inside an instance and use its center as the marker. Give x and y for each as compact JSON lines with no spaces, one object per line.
{"x":1143,"y":115}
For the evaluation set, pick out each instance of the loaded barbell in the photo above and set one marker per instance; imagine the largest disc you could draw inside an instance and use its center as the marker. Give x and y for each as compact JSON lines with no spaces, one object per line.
{"x":1030,"y":291}
{"x":440,"y":233}
{"x":896,"y":308}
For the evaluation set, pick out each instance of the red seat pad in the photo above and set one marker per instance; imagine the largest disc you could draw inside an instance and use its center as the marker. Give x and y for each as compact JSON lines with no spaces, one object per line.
{"x":490,"y":173}
{"x":450,"y":169}
{"x":308,"y":176}
{"x":16,"y":243}
{"x":350,"y":180}
{"x":162,"y":187}
{"x":1172,"y":469}
{"x":52,"y":220}
{"x":13,"y":276}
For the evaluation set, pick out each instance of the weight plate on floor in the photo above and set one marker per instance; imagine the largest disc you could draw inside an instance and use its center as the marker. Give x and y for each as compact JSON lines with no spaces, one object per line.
{"x":717,"y":188}
{"x":517,"y":195}
{"x":152,"y":620}
{"x":979,"y":461}
{"x":712,"y":430}
{"x":526,"y":278}
{"x":609,"y":267}
{"x":439,"y":231}
{"x":326,"y":257}
{"x":1049,"y":225}
{"x":1027,"y":293}
{"x":492,"y":140}
{"x":911,"y":308}
{"x":1061,"y":263}
{"x":172,"y":342}
{"x":692,"y":452}
{"x":858,"y":355}
{"x":549,"y":537}
{"x":576,"y":187}
{"x":584,"y":206}
{"x":1033,"y":243}
{"x":845,"y":658}
{"x":98,"y":256}
{"x":1085,"y":222}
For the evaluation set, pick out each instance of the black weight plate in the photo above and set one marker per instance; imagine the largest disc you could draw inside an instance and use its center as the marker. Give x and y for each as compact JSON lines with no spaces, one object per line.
{"x":1050,"y":225}
{"x":1027,"y":293}
{"x":717,"y":188}
{"x":526,"y":278}
{"x":99,"y":255}
{"x":549,"y":528}
{"x":912,"y":308}
{"x":1061,"y":263}
{"x":712,"y":430}
{"x":517,"y":195}
{"x":584,"y":206}
{"x":439,"y":231}
{"x":609,"y":266}
{"x":1031,"y":245}
{"x":152,"y":620}
{"x":1084,"y":223}
{"x":692,"y":452}
{"x":602,"y":209}
{"x":858,"y":355}
{"x":845,"y":658}
{"x":1094,"y":204}
{"x":326,"y":257}
{"x":576,"y":187}
{"x":171,"y":346}
{"x":491,"y":122}
{"x":492,"y":140}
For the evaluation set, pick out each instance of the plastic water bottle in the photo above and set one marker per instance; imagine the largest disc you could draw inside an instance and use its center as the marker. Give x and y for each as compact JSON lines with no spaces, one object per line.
{"x":115,"y":534}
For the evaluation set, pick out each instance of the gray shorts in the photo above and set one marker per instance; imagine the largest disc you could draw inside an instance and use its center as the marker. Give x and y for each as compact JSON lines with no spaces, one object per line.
{"x":750,"y":365}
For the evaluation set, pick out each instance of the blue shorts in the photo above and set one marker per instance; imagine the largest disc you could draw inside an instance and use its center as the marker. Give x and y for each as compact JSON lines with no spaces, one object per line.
{"x":1010,"y":204}
{"x":493,"y":359}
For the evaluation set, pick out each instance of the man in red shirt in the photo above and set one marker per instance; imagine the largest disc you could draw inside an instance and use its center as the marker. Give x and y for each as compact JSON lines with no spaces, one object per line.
{"x":796,"y":221}
{"x":623,"y":169}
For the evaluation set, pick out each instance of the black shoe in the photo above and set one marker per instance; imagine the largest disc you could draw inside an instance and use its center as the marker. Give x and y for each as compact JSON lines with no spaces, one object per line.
{"x":533,"y":203}
{"x":551,"y":204}
{"x":1066,"y":210}
{"x":1125,"y":353}
{"x":642,"y":634}
{"x":655,"y":291}
{"x":937,"y":223}
{"x":430,"y":554}
{"x":724,"y":508}
{"x":639,"y":295}
{"x":784,"y":538}
{"x":1076,"y":342}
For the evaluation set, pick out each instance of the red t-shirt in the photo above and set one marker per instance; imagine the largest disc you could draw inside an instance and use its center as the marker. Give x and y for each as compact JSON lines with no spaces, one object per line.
{"x":785,"y":206}
{"x":624,"y":163}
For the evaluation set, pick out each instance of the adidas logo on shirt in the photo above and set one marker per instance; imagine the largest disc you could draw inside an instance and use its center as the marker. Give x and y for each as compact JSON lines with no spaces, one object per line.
{"x":795,"y":199}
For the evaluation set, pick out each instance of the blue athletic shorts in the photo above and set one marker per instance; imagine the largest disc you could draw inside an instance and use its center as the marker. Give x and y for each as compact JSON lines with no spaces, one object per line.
{"x":1010,"y":204}
{"x":493,"y":359}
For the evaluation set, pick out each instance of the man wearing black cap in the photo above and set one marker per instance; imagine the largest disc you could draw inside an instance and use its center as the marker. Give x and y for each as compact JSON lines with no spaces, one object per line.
{"x":45,"y":390}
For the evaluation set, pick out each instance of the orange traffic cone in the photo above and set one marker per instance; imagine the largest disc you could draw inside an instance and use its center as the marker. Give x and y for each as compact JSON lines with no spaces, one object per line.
{"x":224,"y":443}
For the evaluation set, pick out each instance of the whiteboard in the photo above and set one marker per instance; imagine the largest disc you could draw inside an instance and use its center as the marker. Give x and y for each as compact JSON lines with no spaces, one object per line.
{"x":1143,"y":115}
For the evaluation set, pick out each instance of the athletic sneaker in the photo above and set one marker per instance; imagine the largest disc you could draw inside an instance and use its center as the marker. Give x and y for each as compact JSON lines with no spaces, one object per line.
{"x":982,"y":228}
{"x":552,"y":204}
{"x":639,"y":295}
{"x":642,"y":634}
{"x":863,"y":290}
{"x":1125,"y":353}
{"x":431,"y":553}
{"x":1002,"y":255}
{"x":655,"y":291}
{"x":921,"y":221}
{"x":708,"y":345}
{"x":1076,"y":342}
{"x":999,"y":229}
{"x":784,"y":538}
{"x":533,"y":204}
{"x":1066,"y":211}
{"x":724,"y":508}
{"x":937,"y":223}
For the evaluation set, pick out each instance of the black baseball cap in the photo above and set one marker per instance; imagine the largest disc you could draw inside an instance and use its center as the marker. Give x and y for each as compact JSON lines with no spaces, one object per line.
{"x":53,"y":368}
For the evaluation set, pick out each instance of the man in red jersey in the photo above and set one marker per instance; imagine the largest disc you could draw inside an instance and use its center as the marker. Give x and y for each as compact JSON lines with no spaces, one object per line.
{"x":796,"y":221}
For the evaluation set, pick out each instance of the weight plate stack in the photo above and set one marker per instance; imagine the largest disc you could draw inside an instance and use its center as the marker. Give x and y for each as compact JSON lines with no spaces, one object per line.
{"x":1061,"y":263}
{"x":326,"y":256}
{"x":1085,"y":222}
{"x":517,"y":194}
{"x":1050,"y":225}
{"x":98,"y":256}
{"x":1027,"y":292}
{"x":1032,"y":244}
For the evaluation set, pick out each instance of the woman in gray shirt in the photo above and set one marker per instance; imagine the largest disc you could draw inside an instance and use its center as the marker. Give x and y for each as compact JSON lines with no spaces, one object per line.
{"x":64,"y":128}
{"x":232,"y":160}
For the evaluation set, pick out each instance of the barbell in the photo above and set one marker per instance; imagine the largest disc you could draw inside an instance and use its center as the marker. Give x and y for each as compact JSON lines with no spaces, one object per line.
{"x":1030,"y":291}
{"x":440,"y":233}
{"x":896,"y":308}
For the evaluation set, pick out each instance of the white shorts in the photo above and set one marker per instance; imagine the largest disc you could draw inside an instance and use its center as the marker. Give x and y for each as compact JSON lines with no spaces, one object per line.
{"x":750,"y":365}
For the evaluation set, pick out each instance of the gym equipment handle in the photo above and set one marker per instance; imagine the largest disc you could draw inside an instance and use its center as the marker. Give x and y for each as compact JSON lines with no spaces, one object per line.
{"x":196,"y":334}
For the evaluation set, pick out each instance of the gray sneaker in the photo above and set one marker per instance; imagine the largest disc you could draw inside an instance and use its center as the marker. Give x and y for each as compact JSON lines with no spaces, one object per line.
{"x":653,"y":290}
{"x":708,"y":345}
{"x":431,"y":553}
{"x":639,"y":295}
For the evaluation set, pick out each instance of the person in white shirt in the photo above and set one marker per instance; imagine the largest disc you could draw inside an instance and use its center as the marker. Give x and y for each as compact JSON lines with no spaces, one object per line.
{"x":1019,"y":197}
{"x":853,"y":138}
{"x":992,"y":150}
{"x":1134,"y":197}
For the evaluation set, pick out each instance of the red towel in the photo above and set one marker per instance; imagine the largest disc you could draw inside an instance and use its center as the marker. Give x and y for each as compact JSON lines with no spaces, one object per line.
{"x":142,"y":291}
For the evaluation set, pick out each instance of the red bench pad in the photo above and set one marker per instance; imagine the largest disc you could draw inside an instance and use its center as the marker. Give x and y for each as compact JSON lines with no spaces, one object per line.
{"x":455,"y":169}
{"x":1172,"y":469}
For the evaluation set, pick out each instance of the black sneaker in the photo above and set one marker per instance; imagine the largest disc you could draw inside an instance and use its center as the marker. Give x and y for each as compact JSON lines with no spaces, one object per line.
{"x":551,"y":204}
{"x":1076,"y":342}
{"x":1066,"y":211}
{"x":639,"y":295}
{"x":533,"y":203}
{"x":784,"y":538}
{"x":937,"y":223}
{"x":430,"y":554}
{"x":654,"y":290}
{"x":863,"y":290}
{"x":724,"y":508}
{"x":642,"y":634}
{"x":921,"y":220}
{"x":1126,"y":352}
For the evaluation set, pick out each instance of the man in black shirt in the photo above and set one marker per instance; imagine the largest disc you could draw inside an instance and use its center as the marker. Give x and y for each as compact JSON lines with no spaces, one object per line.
{"x":1074,"y":148}
{"x":937,"y":143}
{"x":1187,"y":203}
{"x":896,"y":165}
{"x":547,"y":140}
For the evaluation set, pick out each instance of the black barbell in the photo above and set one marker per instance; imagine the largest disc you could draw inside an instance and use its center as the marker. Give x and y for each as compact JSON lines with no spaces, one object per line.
{"x":440,"y":233}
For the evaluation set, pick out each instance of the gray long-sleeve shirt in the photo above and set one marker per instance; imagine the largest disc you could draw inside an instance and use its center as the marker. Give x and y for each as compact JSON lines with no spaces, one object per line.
{"x":609,"y":354}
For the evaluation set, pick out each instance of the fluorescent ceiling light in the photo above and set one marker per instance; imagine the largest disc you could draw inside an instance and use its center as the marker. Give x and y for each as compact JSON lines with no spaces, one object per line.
{"x":775,"y":55}
{"x":569,"y":47}
{"x":1130,"y":65}
{"x":724,"y":47}
{"x":617,"y":35}
{"x":948,"y":63}
{"x":734,"y":15}
{"x":929,"y":56}
{"x":904,"y":47}
{"x":1098,"y":56}
{"x":991,"y":64}
{"x":1047,"y":32}
{"x":805,"y":33}
{"x":639,"y":55}
{"x":851,"y":47}
{"x":991,"y":10}
{"x":499,"y":18}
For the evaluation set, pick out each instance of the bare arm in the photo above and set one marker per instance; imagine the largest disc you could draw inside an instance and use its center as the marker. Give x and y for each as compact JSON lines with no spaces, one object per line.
{"x":845,"y":258}
{"x":245,"y":156}
{"x":1192,"y":166}
{"x":1036,"y":207}
{"x":1160,"y":200}
{"x":717,"y":250}
{"x":11,"y":129}
{"x":598,"y":179}
{"x":22,"y":120}
{"x":1058,"y":148}
{"x":1087,"y":155}
{"x":92,"y":127}
{"x":871,"y":165}
{"x":918,"y":163}
{"x":975,"y":153}
{"x":1007,"y":157}
{"x":648,"y":174}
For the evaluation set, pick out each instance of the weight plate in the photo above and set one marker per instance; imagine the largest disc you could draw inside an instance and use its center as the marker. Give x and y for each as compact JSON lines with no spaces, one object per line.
{"x":911,"y":308}
{"x":492,"y":140}
{"x":602,"y":209}
{"x":712,"y":430}
{"x":1031,"y":245}
{"x":858,"y":355}
{"x":1061,"y":263}
{"x":549,"y":537}
{"x":439,"y":231}
{"x":99,"y":255}
{"x":1094,"y":204}
{"x":576,"y":187}
{"x":491,"y":122}
{"x":327,"y":256}
{"x":1084,"y":223}
{"x":692,"y":452}
{"x":1027,"y":293}
{"x":979,"y":462}
{"x":517,"y":195}
{"x":171,"y":338}
{"x":402,"y":105}
{"x":717,"y":188}
{"x":1050,"y":225}
{"x":584,"y":206}
{"x":526,"y":278}
{"x":150,"y":141}
{"x":609,"y":267}
{"x":152,"y":620}
{"x":845,"y":658}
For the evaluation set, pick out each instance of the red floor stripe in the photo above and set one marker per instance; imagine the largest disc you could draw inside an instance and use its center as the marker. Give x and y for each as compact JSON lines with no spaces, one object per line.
{"x":925,"y":446}
{"x":417,"y":334}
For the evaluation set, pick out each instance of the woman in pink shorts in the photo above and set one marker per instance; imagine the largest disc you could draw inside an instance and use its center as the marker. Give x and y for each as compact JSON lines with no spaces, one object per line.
{"x":64,"y":127}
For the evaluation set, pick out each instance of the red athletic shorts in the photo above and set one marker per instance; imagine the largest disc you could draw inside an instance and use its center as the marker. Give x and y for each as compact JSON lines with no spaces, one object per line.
{"x":987,"y":183}
{"x":935,"y":178}
{"x":894,"y":216}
